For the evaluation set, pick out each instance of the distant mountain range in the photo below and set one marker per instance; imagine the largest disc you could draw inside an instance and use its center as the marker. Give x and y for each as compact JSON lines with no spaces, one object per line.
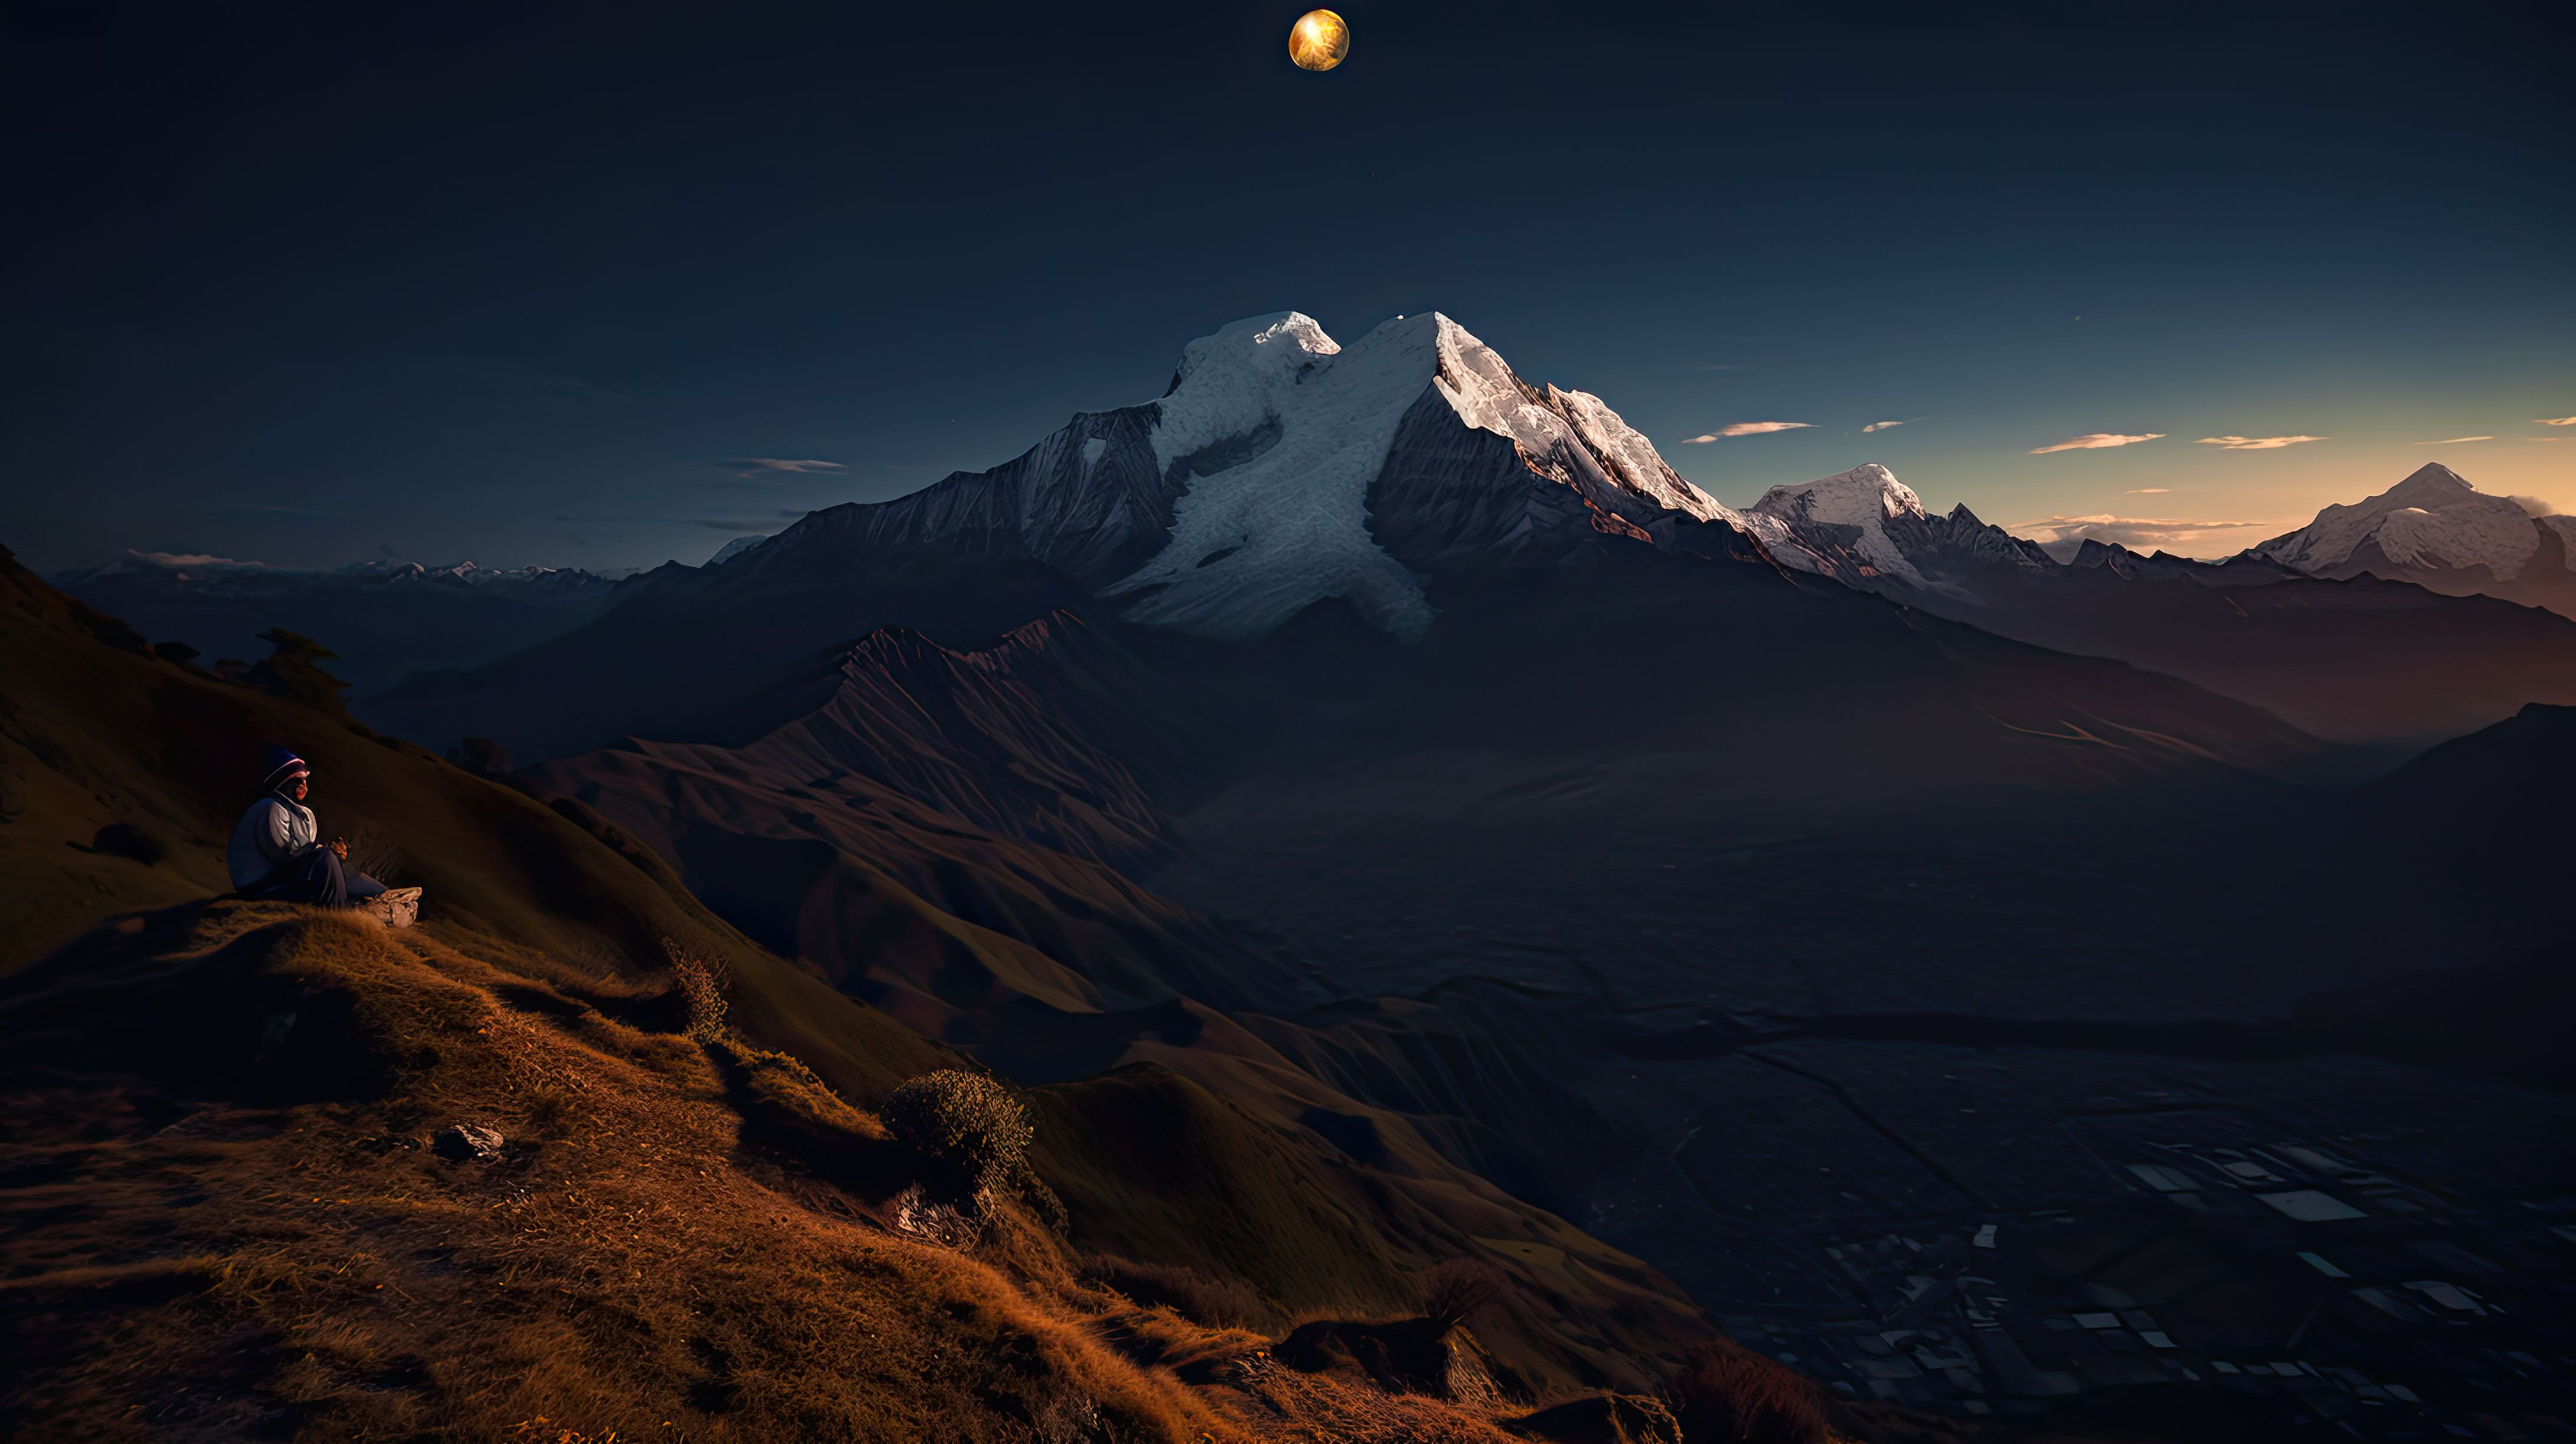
{"x":2319,"y":625}
{"x":2434,"y":529}
{"x":1282,"y":470}
{"x":1400,"y":475}
{"x":385,"y":619}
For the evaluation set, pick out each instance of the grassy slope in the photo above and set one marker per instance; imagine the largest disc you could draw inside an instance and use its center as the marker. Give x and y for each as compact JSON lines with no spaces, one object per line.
{"x":260,"y":1249}
{"x":201,"y":1215}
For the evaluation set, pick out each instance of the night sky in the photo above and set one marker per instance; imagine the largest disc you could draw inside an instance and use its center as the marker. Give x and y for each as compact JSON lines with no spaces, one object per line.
{"x":542,"y":284}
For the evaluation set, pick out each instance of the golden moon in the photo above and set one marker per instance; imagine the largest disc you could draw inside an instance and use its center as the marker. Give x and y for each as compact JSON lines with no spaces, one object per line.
{"x":1319,"y":40}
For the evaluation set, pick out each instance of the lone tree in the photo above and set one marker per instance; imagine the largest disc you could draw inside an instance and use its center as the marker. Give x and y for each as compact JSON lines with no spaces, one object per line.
{"x":294,"y":671}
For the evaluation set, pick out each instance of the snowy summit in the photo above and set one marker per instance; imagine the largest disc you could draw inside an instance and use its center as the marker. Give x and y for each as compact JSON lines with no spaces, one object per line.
{"x":2432,"y":519}
{"x":1863,"y":498}
{"x":1281,"y":431}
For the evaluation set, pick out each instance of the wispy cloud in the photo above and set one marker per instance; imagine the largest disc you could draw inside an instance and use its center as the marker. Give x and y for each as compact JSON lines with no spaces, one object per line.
{"x":1890,"y":425}
{"x":1746,"y":428}
{"x":2096,"y":440}
{"x":2147,"y":491}
{"x":2454,"y":440}
{"x":261,"y":508}
{"x":2063,"y":534}
{"x":193,"y":559}
{"x":2550,"y":438}
{"x":2256,"y":443}
{"x":775,"y":470}
{"x":772,"y":463}
{"x":2553,"y":421}
{"x":2534,"y":505}
{"x":711,"y":523}
{"x":509,"y":375}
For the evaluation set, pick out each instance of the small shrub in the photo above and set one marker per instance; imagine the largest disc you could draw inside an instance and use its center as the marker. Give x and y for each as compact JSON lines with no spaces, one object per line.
{"x":963,"y":1120}
{"x":1218,"y":1304}
{"x":702,"y":988}
{"x":1736,"y":1397}
{"x":124,"y":839}
{"x":1453,"y":1291}
{"x":481,"y":756}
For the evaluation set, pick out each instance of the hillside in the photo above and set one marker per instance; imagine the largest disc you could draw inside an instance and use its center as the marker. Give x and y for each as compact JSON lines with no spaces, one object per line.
{"x":685,"y":1233}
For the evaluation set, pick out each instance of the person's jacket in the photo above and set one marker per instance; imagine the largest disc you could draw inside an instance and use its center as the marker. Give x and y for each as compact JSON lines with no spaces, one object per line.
{"x":275,"y":831}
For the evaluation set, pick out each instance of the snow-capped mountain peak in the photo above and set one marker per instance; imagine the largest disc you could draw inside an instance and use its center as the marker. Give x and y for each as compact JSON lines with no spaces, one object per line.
{"x":1278,"y":433}
{"x":1857,"y":497}
{"x":2428,"y":486}
{"x":1864,"y":498}
{"x":2434,"y":519}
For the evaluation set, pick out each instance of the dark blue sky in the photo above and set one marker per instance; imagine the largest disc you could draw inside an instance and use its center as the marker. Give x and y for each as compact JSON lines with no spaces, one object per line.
{"x":467,"y":282}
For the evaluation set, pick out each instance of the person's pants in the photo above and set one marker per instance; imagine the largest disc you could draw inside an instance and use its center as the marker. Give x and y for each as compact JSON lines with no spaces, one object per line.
{"x":318,"y":877}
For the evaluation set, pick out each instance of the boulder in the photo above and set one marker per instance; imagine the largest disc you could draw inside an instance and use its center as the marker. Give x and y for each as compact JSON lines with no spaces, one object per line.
{"x":397,"y":907}
{"x":466,"y":1143}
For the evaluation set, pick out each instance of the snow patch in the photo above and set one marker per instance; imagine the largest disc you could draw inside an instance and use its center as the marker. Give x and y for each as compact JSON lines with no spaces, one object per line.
{"x":1288,"y":527}
{"x":1092,"y":447}
{"x":1632,"y":460}
{"x":735,"y":548}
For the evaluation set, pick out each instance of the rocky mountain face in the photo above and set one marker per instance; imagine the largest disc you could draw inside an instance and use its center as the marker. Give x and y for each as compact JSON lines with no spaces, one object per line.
{"x":1868,"y":530}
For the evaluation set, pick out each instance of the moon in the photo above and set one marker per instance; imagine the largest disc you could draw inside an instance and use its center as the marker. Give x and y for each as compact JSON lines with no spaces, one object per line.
{"x":1319,"y":40}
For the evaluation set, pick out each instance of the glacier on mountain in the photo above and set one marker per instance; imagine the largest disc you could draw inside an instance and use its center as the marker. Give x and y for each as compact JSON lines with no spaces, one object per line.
{"x":1306,"y":426}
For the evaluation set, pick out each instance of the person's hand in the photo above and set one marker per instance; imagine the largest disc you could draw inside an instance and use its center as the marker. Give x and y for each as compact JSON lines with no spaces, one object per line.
{"x":340,"y":845}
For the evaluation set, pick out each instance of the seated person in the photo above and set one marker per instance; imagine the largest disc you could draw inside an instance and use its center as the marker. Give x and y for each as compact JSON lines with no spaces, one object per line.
{"x":275,"y":854}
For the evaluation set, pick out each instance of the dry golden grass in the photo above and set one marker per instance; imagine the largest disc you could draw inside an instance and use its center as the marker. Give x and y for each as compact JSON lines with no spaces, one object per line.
{"x":627,"y":1267}
{"x":225,"y":1232}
